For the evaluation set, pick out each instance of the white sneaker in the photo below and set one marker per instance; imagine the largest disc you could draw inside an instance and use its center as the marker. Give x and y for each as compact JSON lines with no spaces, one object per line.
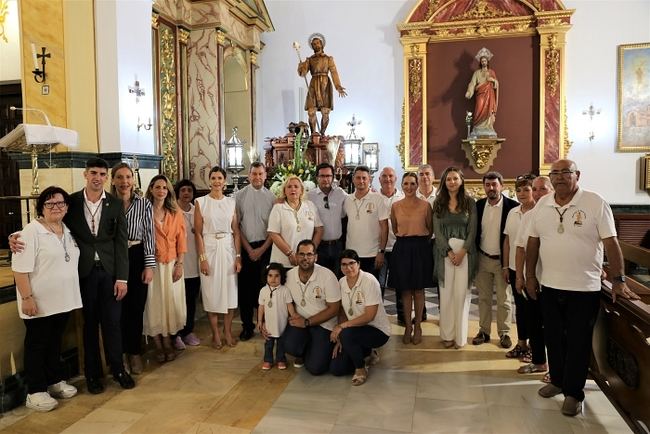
{"x":40,"y":401}
{"x":62,"y":390}
{"x":179,"y":344}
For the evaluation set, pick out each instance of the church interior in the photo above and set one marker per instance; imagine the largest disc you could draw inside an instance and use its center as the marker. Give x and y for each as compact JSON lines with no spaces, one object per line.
{"x":179,"y":86}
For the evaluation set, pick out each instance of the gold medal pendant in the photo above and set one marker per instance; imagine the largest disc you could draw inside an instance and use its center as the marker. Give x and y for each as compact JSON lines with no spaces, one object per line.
{"x":351,"y":312}
{"x":302,"y":302}
{"x":298,"y":228}
{"x":560,"y":228}
{"x":270,"y":304}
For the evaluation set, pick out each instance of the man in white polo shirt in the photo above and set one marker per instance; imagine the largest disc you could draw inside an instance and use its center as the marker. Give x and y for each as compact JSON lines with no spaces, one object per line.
{"x":367,"y":231}
{"x":426,"y":189}
{"x":317,"y":296}
{"x":567,"y":234}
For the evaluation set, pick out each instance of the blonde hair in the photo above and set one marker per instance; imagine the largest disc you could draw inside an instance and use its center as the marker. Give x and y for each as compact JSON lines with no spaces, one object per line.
{"x":283,"y":195}
{"x":170,"y":201}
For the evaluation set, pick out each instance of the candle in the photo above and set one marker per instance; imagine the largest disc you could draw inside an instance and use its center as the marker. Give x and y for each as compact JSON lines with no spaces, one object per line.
{"x":34,"y":57}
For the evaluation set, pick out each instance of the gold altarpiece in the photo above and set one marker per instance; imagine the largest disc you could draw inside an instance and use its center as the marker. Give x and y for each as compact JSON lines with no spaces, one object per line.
{"x":205,"y":61}
{"x":454,"y":22}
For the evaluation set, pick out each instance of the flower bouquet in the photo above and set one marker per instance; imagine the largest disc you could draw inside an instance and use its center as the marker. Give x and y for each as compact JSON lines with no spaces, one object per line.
{"x":299,"y":166}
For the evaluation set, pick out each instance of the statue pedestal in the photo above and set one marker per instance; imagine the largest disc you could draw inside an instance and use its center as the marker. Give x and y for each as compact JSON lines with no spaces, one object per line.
{"x":481,"y":152}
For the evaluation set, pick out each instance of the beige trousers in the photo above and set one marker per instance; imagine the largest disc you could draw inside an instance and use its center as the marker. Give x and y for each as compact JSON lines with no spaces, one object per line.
{"x":489,"y":278}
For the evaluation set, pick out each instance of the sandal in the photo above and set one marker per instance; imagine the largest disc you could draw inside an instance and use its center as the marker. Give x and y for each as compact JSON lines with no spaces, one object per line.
{"x":406,"y":339}
{"x":531,"y":368}
{"x":160,"y":356}
{"x":546,"y":378}
{"x":448,"y":344}
{"x":417,"y":336}
{"x":517,"y":352}
{"x":527,"y":356}
{"x":359,"y":379}
{"x":217,"y":345}
{"x":170,"y":355}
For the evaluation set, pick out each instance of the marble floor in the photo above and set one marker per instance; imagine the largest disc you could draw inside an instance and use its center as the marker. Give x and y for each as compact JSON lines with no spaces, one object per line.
{"x":420,"y":389}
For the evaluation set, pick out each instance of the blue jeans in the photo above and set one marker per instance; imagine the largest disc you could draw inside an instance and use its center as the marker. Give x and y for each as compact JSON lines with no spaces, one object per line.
{"x":279,"y":350}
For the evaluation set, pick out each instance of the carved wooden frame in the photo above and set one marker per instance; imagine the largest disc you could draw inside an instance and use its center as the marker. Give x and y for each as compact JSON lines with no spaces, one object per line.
{"x":440,"y":21}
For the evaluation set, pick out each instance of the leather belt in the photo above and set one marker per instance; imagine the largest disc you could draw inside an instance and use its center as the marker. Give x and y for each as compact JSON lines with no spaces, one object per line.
{"x":134,"y":243}
{"x":490,"y":256}
{"x":219,"y":235}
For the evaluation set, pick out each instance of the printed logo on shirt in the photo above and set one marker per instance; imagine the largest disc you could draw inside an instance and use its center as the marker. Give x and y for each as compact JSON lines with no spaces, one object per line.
{"x":318,"y":292}
{"x":370,"y":208}
{"x":578,"y":218}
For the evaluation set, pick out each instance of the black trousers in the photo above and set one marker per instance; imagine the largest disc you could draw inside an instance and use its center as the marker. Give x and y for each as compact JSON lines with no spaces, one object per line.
{"x":535,"y":327}
{"x":279,"y":350}
{"x":43,"y":364}
{"x":521,"y":304}
{"x":192,"y":289}
{"x":251,"y":279}
{"x":133,"y":303}
{"x":357,"y":343}
{"x":569,"y":318}
{"x":328,"y":256}
{"x":311,"y":344}
{"x":101,"y":308}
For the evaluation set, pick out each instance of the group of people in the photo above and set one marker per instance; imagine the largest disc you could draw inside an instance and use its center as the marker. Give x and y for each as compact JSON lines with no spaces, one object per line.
{"x":284,"y":257}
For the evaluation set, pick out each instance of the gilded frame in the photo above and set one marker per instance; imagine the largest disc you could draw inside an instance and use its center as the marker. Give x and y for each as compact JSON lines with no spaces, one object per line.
{"x":633,"y":103}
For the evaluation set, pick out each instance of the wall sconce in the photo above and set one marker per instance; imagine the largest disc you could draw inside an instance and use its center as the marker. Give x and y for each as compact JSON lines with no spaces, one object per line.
{"x":146,"y":126}
{"x":371,"y":156}
{"x":234,"y":156}
{"x":352,"y":150}
{"x":137,"y":90}
{"x":39,"y":73}
{"x":591,"y":112}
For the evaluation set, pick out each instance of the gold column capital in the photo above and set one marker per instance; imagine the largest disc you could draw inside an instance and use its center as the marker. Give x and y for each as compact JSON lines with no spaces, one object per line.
{"x":154,"y":20}
{"x":183,"y":35}
{"x":221,"y":37}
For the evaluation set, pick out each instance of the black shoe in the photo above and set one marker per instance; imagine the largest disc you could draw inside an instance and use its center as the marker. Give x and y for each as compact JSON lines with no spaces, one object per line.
{"x":505,"y":341}
{"x":481,"y":338}
{"x":246,"y":335}
{"x":94,"y":385}
{"x":400,"y":322}
{"x":125,"y":380}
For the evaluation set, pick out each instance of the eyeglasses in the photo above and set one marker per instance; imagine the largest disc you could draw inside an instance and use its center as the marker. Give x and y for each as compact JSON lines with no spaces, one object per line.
{"x":348,"y":264}
{"x":526,"y":176}
{"x":564,"y":173}
{"x":306,"y":255}
{"x":326,"y":199}
{"x":325,"y":176}
{"x":59,"y":205}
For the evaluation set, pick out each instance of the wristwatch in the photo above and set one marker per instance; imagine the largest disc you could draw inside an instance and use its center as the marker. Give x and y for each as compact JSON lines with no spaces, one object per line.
{"x":382,"y":251}
{"x":306,"y":322}
{"x":619,"y":279}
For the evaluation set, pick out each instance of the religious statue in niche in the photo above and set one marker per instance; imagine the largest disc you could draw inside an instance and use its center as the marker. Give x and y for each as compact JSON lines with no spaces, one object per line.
{"x":320,"y":96}
{"x":484,"y":86}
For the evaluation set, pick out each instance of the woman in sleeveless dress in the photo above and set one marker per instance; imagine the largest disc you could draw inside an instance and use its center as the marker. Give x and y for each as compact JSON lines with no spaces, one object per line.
{"x":218,"y":244}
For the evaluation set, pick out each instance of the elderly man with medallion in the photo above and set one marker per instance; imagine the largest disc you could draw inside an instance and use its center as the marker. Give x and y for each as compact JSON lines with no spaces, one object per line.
{"x":568,"y":232}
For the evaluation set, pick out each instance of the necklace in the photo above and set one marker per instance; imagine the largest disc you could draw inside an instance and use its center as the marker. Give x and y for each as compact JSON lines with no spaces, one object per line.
{"x":560,"y":227}
{"x":270,"y":303}
{"x":354,"y":291}
{"x":92,"y":215}
{"x":295,"y":215}
{"x":303,"y":290}
{"x":65,"y":246}
{"x":358,"y":207}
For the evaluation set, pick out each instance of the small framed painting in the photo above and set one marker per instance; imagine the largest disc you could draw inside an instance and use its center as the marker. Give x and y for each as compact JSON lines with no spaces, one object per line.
{"x":634,"y":98}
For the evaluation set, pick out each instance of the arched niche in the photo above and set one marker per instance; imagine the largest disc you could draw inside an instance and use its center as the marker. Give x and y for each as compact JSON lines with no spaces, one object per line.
{"x":238,"y":99}
{"x":440,"y":39}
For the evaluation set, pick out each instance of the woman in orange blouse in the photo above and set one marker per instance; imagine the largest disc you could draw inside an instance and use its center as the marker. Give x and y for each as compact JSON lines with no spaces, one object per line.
{"x":165,"y":311}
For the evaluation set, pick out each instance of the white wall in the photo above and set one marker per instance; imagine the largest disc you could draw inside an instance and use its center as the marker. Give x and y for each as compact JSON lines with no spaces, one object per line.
{"x":10,"y":50}
{"x":598,"y":28}
{"x":123,"y":41}
{"x":363,"y":38}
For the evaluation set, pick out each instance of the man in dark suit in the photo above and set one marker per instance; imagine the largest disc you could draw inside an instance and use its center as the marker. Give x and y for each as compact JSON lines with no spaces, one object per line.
{"x":492,"y":212}
{"x":98,"y":224}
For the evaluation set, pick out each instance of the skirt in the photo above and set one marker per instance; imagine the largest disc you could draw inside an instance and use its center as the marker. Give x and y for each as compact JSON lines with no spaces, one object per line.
{"x":165,"y":312}
{"x":411,"y":264}
{"x":219,"y":287}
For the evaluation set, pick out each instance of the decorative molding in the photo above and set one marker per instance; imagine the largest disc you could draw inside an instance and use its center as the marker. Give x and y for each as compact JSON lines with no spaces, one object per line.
{"x":431,"y":8}
{"x":480,"y":11}
{"x":552,"y":64}
{"x":253,"y":57}
{"x":183,"y":35}
{"x":415,"y":78}
{"x":168,"y":102}
{"x":77,"y":160}
{"x":481,"y":153}
{"x":154,"y":20}
{"x":565,"y":128}
{"x":220,"y":36}
{"x":401,"y":147}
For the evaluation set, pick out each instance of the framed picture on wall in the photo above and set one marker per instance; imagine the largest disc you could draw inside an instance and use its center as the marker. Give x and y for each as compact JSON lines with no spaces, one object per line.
{"x":634,"y":98}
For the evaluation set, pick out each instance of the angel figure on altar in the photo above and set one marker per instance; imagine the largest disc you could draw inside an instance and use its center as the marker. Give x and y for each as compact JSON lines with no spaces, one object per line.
{"x":320,"y":95}
{"x":485,"y":87}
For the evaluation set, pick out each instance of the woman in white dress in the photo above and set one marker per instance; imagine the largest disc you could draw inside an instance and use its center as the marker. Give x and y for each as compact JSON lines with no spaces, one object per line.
{"x":291,"y":221}
{"x":216,"y":230}
{"x":165,"y":311}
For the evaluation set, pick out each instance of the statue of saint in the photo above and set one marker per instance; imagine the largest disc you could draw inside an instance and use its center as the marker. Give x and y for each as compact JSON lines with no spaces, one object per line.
{"x":485,"y":86}
{"x":320,"y":96}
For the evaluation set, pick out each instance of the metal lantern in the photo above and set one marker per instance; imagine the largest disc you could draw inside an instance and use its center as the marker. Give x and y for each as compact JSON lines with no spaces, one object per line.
{"x":371,"y":156}
{"x":352,"y":148}
{"x":235,"y":156}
